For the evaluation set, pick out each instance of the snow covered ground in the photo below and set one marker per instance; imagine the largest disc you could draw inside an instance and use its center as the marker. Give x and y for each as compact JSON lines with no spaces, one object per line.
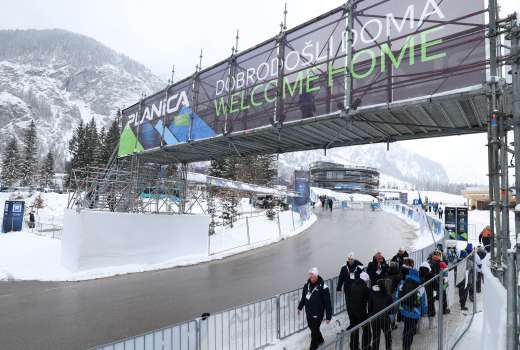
{"x":436,"y":196}
{"x":256,"y":230}
{"x":339,"y":196}
{"x":53,"y":205}
{"x":424,"y":235}
{"x":27,"y":255}
{"x":488,"y":329}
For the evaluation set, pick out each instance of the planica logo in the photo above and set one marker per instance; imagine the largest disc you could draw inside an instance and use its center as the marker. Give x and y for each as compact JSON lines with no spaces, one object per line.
{"x":160,"y":108}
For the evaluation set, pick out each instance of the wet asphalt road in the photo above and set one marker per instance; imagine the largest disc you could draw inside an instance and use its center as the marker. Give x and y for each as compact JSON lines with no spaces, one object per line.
{"x":79,"y":315}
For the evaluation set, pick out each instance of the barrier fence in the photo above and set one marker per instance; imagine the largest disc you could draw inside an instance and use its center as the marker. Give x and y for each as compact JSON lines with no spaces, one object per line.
{"x":249,"y":326}
{"x":438,"y":331}
{"x":254,"y":230}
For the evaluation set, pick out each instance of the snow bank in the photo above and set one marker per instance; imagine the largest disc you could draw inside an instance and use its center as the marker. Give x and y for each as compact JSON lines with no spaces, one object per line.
{"x":339,"y":196}
{"x":99,"y":239}
{"x":256,"y":230}
{"x":419,"y":221}
{"x":495,"y":313}
{"x":25,"y":256}
{"x":436,"y":196}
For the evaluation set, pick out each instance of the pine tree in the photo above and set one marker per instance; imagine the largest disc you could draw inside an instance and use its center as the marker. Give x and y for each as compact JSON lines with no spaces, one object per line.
{"x":111,"y":142}
{"x":100,"y":148}
{"x":91,"y":143}
{"x":29,"y":154}
{"x":47,"y":171}
{"x":10,"y":164}
{"x":76,"y":151}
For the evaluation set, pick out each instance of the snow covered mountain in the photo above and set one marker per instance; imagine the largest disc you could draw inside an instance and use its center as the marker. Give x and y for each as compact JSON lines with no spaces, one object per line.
{"x":398,"y":164}
{"x":58,"y":78}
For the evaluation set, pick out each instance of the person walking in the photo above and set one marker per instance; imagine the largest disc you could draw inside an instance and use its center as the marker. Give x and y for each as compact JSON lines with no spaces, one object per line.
{"x":464,"y":284}
{"x":316,"y":300}
{"x":481,"y":252}
{"x":347,"y":275}
{"x":358,"y":305}
{"x":425,"y":275}
{"x":331,"y":204}
{"x":378,"y":300}
{"x":395,"y":277}
{"x":400,"y":256}
{"x":32,"y":221}
{"x":436,"y":266}
{"x":377,"y":268}
{"x":323,"y":200}
{"x":485,"y":238}
{"x":412,"y":307}
{"x":440,"y":211}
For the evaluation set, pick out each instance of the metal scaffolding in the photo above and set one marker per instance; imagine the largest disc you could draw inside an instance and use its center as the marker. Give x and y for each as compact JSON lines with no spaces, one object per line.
{"x":504,"y":255}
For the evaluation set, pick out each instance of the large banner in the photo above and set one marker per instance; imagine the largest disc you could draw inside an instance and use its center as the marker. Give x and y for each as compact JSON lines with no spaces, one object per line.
{"x":456,"y":222}
{"x":302,"y":187}
{"x":401,"y":49}
{"x":462,"y":224}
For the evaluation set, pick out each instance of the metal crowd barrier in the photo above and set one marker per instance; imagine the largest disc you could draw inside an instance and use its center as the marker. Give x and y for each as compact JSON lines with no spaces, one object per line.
{"x":250,"y":326}
{"x":437,"y":332}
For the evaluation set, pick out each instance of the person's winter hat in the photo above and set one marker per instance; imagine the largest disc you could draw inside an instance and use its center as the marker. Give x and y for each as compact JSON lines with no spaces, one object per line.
{"x":364,"y":276}
{"x":426,"y":265}
{"x":469,"y":248}
{"x":350,"y":255}
{"x":314,"y":271}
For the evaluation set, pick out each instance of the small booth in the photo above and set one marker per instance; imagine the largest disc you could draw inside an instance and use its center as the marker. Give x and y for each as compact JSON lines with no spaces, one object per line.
{"x":13,"y":216}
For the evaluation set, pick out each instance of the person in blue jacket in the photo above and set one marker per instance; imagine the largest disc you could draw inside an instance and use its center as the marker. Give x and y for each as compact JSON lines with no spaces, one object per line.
{"x":413,"y":307}
{"x":316,"y":300}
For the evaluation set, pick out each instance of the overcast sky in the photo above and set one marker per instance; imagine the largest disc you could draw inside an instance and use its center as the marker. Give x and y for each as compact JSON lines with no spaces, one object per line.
{"x":160,"y":33}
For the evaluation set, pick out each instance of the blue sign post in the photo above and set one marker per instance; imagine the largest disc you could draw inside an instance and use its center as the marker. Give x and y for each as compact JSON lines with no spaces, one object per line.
{"x":302,"y":187}
{"x":13,"y":216}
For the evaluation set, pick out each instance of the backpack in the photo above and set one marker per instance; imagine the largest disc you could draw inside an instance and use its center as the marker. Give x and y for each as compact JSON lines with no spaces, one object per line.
{"x":412,"y":301}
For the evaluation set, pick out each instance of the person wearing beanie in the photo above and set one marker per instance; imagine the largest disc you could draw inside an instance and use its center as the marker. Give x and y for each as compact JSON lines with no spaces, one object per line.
{"x":347,"y":275}
{"x":437,"y":265}
{"x":316,"y":300}
{"x":357,"y":310}
{"x":425,"y":274}
{"x":485,"y":238}
{"x":378,"y":300}
{"x":377,"y":268}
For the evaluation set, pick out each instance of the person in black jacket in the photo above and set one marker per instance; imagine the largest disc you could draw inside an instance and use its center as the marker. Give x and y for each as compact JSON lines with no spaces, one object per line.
{"x":358,"y":304}
{"x":377,"y":268}
{"x":379,"y":300}
{"x":394,"y":275}
{"x":347,"y":275}
{"x":316,"y":300}
{"x":400,"y":256}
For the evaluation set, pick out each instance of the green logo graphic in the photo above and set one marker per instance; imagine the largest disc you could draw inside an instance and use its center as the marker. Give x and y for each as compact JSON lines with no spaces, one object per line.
{"x":128,"y":143}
